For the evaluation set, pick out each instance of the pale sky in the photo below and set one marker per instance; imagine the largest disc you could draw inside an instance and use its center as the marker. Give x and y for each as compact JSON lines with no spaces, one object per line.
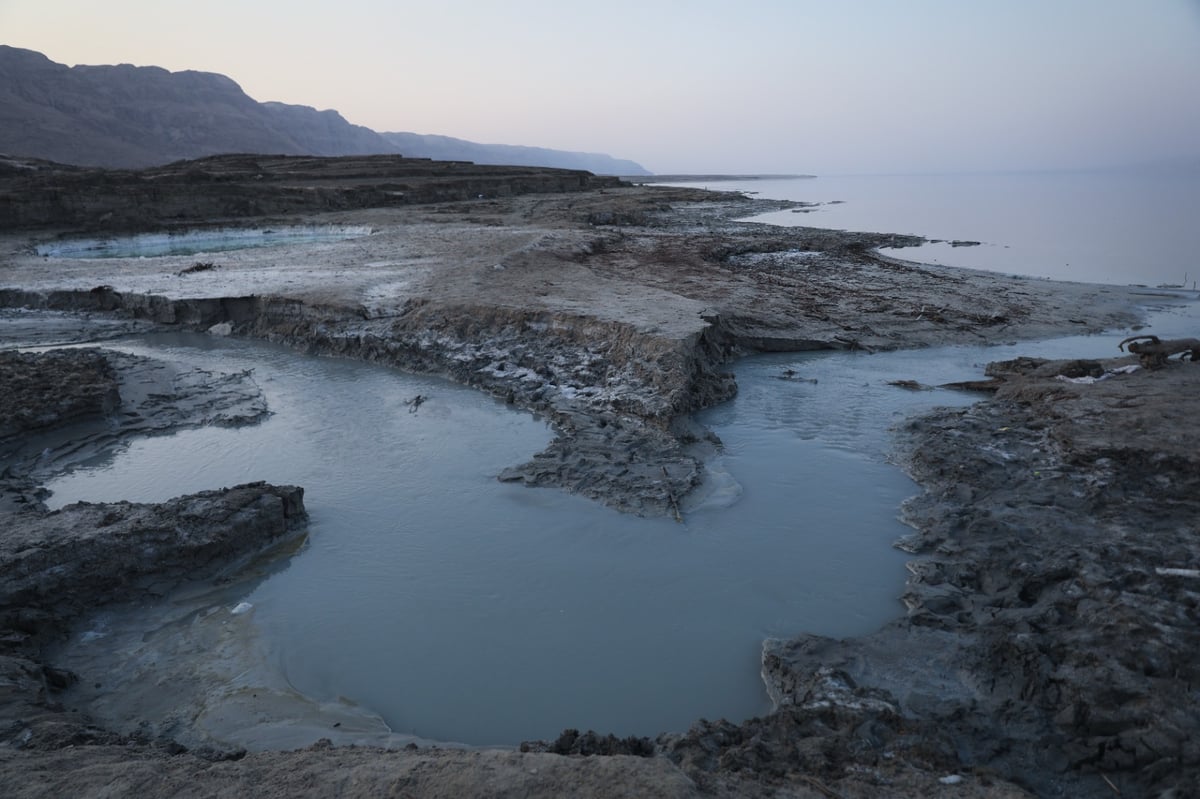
{"x":817,"y":86}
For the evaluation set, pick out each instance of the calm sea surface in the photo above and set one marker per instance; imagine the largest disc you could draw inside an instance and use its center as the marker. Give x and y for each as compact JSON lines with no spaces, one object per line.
{"x":1099,"y":227}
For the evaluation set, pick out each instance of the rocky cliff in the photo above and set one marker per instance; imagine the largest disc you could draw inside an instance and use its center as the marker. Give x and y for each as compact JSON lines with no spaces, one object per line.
{"x":127,"y":116}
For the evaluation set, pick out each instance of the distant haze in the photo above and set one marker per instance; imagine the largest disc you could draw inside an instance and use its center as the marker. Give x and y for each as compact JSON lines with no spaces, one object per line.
{"x":739,"y":86}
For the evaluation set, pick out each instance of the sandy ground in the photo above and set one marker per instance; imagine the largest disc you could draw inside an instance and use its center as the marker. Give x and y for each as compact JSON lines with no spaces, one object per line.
{"x":613,"y":312}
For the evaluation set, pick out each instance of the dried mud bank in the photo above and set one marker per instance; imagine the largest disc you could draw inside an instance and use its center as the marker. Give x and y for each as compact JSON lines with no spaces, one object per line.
{"x":612,"y":313}
{"x":54,"y":567}
{"x":64,"y":406}
{"x":1054,"y":618}
{"x":618,"y":399}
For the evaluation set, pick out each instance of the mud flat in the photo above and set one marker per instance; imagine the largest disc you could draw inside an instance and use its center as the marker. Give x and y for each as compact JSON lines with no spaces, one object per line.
{"x":1051,"y":629}
{"x":1057,"y":525}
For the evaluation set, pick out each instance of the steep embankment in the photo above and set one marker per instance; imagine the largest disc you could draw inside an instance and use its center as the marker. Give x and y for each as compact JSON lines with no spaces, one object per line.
{"x":447,"y":148}
{"x":612,"y":394}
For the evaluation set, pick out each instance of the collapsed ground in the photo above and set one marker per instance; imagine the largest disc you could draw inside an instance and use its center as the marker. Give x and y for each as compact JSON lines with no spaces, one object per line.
{"x":612,"y":310}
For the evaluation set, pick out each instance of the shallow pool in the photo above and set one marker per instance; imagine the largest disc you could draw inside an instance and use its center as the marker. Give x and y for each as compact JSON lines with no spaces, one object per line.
{"x":464,"y":609}
{"x":196,"y":242}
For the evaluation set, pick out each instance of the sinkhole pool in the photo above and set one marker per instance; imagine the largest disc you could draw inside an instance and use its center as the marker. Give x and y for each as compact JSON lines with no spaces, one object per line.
{"x":462,"y":609}
{"x":197,"y":242}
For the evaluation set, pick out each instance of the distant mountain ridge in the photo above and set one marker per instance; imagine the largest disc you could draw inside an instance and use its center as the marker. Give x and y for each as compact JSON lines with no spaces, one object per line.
{"x":447,"y":148}
{"x":133,"y":117}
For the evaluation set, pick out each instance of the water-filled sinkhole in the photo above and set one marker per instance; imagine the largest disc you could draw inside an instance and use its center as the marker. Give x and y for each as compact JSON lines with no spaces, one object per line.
{"x":195,"y":242}
{"x":460,"y":608}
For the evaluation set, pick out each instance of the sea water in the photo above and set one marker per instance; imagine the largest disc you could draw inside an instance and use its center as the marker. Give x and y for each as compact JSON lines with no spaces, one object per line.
{"x":1119,"y":227}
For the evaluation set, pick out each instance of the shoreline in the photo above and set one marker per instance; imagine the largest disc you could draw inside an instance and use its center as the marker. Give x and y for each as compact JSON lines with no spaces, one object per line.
{"x":614,"y":311}
{"x":556,"y":316}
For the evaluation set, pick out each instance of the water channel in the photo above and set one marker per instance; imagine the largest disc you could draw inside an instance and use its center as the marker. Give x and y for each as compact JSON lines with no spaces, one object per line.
{"x":459,"y":608}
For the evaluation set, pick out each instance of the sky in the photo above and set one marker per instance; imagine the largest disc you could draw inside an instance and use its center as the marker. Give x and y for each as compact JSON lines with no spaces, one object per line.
{"x":696,"y":86}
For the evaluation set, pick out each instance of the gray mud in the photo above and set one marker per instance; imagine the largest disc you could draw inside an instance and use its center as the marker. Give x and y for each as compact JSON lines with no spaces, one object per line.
{"x":99,"y":399}
{"x":1051,"y":636}
{"x":1052,"y":627}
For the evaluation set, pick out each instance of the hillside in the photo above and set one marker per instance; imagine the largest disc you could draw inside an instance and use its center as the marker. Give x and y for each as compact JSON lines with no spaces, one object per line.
{"x":134,"y":117}
{"x":447,"y":148}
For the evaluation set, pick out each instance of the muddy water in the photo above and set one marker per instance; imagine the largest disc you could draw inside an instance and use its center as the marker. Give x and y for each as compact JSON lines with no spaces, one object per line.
{"x":462,"y":609}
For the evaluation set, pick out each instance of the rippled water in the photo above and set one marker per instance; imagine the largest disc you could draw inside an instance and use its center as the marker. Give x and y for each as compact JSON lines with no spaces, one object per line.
{"x":464,"y":609}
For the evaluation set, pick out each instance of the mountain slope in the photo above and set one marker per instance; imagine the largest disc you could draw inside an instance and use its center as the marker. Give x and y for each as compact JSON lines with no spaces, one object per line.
{"x":448,"y":148}
{"x":126,"y":116}
{"x":132,"y":117}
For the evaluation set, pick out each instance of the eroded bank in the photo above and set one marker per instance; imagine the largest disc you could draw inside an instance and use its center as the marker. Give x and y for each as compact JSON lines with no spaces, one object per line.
{"x":620,"y":309}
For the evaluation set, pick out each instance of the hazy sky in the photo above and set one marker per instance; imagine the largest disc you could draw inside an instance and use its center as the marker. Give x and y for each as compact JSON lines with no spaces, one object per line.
{"x":824,"y":86}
